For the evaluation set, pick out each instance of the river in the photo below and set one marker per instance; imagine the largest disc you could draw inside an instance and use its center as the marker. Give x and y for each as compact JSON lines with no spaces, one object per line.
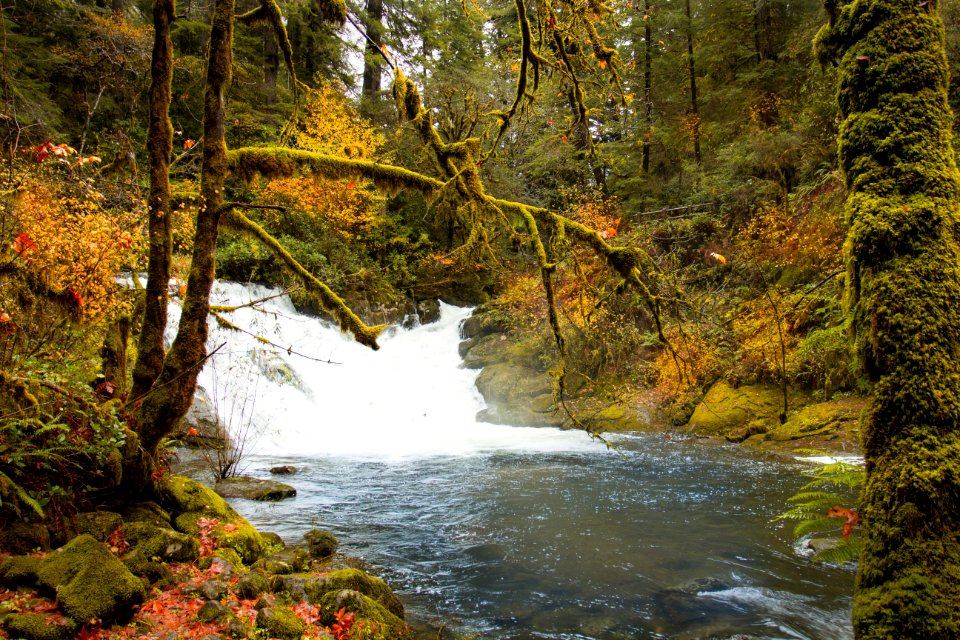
{"x":508,"y":532}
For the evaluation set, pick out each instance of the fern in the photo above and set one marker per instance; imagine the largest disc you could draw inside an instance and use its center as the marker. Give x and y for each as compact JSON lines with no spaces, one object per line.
{"x":833,"y":484}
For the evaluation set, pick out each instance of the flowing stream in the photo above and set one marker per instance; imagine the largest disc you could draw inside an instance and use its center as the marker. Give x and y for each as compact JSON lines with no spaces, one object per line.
{"x":507,"y":532}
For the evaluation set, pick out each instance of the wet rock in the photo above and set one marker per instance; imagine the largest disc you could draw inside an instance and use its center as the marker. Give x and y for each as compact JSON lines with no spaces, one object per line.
{"x":283,"y":470}
{"x":481,"y":324}
{"x":517,"y":395}
{"x":253,"y":489}
{"x":725,"y":408}
{"x":739,"y":434}
{"x":322,"y":544}
{"x":700,"y":585}
{"x":482,"y":352}
{"x":202,"y":417}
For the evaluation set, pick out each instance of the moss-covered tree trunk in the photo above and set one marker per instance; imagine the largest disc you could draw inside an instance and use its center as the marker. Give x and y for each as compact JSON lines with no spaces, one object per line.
{"x":159,"y":147}
{"x":904,"y":305}
{"x":171,"y":394}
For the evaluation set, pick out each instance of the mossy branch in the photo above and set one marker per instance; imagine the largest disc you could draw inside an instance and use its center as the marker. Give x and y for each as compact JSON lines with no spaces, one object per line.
{"x":278,"y":162}
{"x":331,"y":302}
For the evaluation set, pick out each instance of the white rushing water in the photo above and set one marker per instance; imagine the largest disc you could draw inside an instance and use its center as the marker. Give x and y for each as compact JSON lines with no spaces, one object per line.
{"x":408,"y":399}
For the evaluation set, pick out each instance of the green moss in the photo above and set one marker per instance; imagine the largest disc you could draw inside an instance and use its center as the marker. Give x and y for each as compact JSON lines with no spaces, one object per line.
{"x":725,"y":408}
{"x":190,"y":501}
{"x":280,"y":622}
{"x":90,"y":582}
{"x":354,"y":580}
{"x":375,"y":620}
{"x":19,"y":570}
{"x":39,"y":626}
{"x":162,"y":543}
{"x":904,"y":282}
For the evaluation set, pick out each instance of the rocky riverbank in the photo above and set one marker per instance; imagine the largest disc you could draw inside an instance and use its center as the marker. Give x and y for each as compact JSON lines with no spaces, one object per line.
{"x":184,"y":565}
{"x":519,"y":390}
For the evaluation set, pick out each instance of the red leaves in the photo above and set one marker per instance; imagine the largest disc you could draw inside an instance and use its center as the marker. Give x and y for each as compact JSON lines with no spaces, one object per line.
{"x":208,"y":541}
{"x":23,"y":245}
{"x":850,"y":516}
{"x":77,"y":298}
{"x":341,"y":628}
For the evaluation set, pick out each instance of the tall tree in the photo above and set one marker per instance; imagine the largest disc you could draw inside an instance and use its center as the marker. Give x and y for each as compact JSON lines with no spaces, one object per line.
{"x":903,"y":265}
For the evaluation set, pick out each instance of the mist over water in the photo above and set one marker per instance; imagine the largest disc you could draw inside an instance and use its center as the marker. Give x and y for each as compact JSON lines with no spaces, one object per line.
{"x":509,"y":532}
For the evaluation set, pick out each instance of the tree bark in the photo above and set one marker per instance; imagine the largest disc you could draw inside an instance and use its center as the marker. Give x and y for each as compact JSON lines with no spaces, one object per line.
{"x":150,"y":350}
{"x":694,"y":103}
{"x":903,"y":268}
{"x":271,"y":63}
{"x":372,"y":69}
{"x":172,"y":393}
{"x":647,"y":80}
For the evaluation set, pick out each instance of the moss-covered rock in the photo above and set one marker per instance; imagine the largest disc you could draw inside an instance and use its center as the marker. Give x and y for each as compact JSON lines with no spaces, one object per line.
{"x":754,"y":428}
{"x":510,"y":391}
{"x":90,"y":582}
{"x":253,"y":489}
{"x":19,"y":571}
{"x":322,"y":544}
{"x":189,"y":501}
{"x":161,"y":543}
{"x":24,"y":537}
{"x":99,"y":524}
{"x":725,"y":408}
{"x":354,"y":580}
{"x":149,"y":512}
{"x":372,"y":617}
{"x":478,"y":353}
{"x":39,"y":626}
{"x":280,"y":622}
{"x":252,"y":585}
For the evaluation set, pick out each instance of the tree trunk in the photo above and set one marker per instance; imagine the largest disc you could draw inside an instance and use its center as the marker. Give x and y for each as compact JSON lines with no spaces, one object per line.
{"x":271,"y":63}
{"x":372,"y":69}
{"x":172,"y":393}
{"x":903,"y":290}
{"x":694,"y":103}
{"x":159,"y":147}
{"x":647,"y":79}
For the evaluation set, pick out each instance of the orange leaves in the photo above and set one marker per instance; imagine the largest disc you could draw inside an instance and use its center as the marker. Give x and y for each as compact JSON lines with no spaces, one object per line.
{"x":716,"y":256}
{"x":23,"y":245}
{"x":515,"y":66}
{"x":344,"y":622}
{"x":850,"y":518}
{"x":47,"y":149}
{"x":188,"y":143}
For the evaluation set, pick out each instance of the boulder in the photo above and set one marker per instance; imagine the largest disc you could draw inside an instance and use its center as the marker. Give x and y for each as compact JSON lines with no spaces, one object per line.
{"x":358,"y":581}
{"x":213,"y":611}
{"x":725,"y":408}
{"x":253,"y":489}
{"x":252,"y":585}
{"x":99,"y":524}
{"x":160,"y":543}
{"x":24,"y":537}
{"x":481,"y":323}
{"x":39,"y":626}
{"x":189,"y":501}
{"x":19,"y":571}
{"x":382,"y":624}
{"x":90,"y":582}
{"x":280,"y":622}
{"x":478,"y":353}
{"x":283,"y":470}
{"x":149,"y":512}
{"x":322,"y":544}
{"x":202,"y":416}
{"x":517,"y":395}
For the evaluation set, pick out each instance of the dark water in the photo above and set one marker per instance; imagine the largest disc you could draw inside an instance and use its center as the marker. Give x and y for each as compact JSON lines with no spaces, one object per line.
{"x":667,"y":539}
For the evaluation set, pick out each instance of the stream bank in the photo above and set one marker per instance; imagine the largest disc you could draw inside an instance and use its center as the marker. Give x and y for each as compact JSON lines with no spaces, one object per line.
{"x":519,"y":390}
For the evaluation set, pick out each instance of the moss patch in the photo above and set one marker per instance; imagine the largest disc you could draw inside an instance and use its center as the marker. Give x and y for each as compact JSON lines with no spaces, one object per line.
{"x":725,"y":408}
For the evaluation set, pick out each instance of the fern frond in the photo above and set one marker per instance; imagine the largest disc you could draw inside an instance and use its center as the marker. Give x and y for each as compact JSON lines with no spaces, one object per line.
{"x":846,"y":551}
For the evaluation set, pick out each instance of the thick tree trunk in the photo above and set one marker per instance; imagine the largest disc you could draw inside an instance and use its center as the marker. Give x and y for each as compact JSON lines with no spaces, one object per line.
{"x":271,"y":63}
{"x":172,"y":393}
{"x":159,"y":147}
{"x":903,"y":291}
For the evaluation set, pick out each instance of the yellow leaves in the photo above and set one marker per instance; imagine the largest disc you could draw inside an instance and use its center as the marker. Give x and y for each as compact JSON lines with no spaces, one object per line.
{"x":332,"y":125}
{"x":72,"y":245}
{"x":603,"y":64}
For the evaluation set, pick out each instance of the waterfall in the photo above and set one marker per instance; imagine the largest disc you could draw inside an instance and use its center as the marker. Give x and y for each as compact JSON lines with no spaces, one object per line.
{"x":318,"y":393}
